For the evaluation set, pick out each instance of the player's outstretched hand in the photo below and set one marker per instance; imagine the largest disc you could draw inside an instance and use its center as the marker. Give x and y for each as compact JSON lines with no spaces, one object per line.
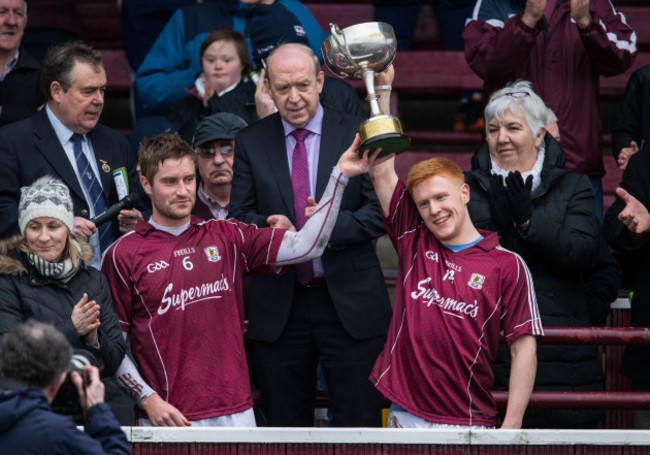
{"x":163,"y":414}
{"x":352,"y":165}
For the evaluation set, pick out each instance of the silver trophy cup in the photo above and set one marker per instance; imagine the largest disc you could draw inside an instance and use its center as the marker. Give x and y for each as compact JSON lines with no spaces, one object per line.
{"x":358,"y":52}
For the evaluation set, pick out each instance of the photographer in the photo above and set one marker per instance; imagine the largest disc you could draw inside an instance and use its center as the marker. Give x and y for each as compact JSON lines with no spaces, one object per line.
{"x":34,"y":358}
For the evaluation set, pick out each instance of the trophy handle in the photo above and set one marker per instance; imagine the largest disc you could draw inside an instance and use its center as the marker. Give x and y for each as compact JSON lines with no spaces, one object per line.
{"x":336,"y":33}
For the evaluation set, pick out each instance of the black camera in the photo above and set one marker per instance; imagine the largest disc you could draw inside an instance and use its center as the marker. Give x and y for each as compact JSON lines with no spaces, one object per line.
{"x":66,"y":401}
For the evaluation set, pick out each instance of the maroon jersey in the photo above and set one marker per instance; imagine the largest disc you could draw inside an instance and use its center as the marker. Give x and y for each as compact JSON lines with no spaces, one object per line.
{"x":449,"y":310}
{"x":177,"y":297}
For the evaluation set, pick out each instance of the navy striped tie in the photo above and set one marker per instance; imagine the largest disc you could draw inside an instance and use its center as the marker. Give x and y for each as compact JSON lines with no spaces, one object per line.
{"x":94,"y":190}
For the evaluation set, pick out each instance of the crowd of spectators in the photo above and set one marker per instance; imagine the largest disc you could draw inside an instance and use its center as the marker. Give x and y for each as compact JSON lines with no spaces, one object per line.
{"x":245,"y":161}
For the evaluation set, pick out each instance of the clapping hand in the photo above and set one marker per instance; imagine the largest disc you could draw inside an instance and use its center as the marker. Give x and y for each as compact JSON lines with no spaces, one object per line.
{"x":85,"y":318}
{"x":533,"y":12}
{"x":626,"y":153}
{"x":580,"y":13}
{"x":264,"y":105}
{"x":518,"y":194}
{"x":499,"y":211}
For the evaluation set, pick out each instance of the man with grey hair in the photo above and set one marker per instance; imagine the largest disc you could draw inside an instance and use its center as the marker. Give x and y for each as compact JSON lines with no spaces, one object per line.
{"x":20,"y":92}
{"x":66,"y":141}
{"x":34,"y":359}
{"x":334,"y":309}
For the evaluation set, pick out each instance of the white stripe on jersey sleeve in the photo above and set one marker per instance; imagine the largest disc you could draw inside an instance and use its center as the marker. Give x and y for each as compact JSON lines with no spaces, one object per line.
{"x":523,"y":270}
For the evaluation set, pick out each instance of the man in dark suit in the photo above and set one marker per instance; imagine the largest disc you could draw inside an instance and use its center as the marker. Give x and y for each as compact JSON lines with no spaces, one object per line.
{"x":65,"y":140}
{"x":336,"y":310}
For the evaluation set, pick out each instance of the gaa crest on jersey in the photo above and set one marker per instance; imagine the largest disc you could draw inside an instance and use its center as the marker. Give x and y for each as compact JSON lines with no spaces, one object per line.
{"x":476,"y":281}
{"x":212,"y":253}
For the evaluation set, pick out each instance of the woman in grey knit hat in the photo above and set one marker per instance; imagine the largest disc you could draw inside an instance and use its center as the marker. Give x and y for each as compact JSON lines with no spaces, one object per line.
{"x":44,"y":275}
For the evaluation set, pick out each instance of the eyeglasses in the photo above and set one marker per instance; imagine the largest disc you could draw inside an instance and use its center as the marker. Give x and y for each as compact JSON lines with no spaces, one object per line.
{"x":208,"y":152}
{"x":517,"y":94}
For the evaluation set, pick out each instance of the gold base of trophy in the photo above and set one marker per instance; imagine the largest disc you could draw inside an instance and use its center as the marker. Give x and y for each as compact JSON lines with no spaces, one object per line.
{"x":382,"y":131}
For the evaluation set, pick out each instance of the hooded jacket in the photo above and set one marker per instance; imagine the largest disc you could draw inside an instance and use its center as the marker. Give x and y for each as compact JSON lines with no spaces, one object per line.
{"x":28,"y":426}
{"x":559,"y":248}
{"x":25,"y":293}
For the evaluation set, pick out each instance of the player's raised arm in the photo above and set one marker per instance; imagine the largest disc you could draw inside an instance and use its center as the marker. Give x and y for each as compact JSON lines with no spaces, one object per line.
{"x":310,"y":242}
{"x":384,"y":178}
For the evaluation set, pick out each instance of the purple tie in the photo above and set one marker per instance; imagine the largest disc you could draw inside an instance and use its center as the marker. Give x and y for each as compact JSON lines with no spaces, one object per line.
{"x":300,"y":185}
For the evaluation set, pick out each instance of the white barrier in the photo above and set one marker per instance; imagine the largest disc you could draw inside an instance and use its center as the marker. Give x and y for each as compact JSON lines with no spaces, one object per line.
{"x":268,"y":435}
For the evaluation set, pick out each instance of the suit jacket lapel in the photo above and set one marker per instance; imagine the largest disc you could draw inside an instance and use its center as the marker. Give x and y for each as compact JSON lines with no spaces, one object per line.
{"x":48,"y":145}
{"x":102,"y":152}
{"x":276,"y":153}
{"x":331,"y":147}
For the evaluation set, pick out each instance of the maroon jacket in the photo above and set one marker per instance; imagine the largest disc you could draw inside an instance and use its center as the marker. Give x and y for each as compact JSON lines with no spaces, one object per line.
{"x":563,"y":62}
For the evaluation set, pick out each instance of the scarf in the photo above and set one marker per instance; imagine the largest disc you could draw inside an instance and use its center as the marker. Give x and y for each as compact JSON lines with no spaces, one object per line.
{"x":61,"y":271}
{"x":536,"y":171}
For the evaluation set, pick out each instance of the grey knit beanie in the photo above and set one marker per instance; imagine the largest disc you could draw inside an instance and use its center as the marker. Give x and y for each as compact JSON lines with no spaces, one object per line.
{"x":46,"y":197}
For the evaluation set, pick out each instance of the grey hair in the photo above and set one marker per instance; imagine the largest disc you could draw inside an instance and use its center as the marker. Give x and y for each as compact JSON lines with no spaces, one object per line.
{"x":60,"y":61}
{"x":525,"y":101}
{"x":551,"y":116}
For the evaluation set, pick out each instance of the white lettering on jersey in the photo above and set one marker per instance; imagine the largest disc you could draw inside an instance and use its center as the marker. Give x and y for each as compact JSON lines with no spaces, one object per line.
{"x":449,"y":275}
{"x":192,"y":295}
{"x":431,"y":297}
{"x":151,"y":268}
{"x":184,"y":251}
{"x":432,"y":255}
{"x":453,"y":266}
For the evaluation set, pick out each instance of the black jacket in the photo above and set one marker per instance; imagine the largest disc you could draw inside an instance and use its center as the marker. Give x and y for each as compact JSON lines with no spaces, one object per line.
{"x":633,"y":122}
{"x":636,"y":181}
{"x":262,"y":186}
{"x":25,"y":293}
{"x":30,"y":149}
{"x":186,"y":114}
{"x":28,"y":426}
{"x":20,"y":91}
{"x":560,"y":248}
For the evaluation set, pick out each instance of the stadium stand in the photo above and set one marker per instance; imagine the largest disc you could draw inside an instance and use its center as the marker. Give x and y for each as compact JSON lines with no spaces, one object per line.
{"x":426,"y":71}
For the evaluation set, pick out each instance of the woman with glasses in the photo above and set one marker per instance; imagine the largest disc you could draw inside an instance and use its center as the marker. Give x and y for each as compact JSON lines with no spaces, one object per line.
{"x":519,"y":188}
